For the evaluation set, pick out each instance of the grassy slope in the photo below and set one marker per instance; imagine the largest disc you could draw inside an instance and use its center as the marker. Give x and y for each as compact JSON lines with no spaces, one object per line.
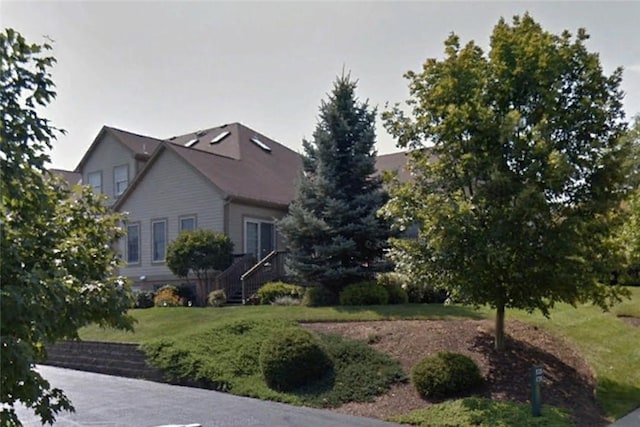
{"x":611,"y":346}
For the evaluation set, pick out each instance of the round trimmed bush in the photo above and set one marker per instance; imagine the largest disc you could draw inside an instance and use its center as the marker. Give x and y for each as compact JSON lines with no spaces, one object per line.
{"x":292,"y":358}
{"x":167,"y":296}
{"x":364,"y":293}
{"x":273,"y":290}
{"x":143,"y":299}
{"x":319,"y":296}
{"x":394,"y":284}
{"x":444,"y":374}
{"x":217,"y":298}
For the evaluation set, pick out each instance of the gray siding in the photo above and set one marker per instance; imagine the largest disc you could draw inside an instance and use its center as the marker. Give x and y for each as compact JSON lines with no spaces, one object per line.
{"x":237,"y":213}
{"x":108,"y":154}
{"x":171,"y":189}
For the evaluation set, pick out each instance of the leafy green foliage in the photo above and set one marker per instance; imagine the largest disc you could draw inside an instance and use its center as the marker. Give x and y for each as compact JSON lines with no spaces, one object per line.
{"x":628,"y":235}
{"x":394,"y":284}
{"x":364,"y":293}
{"x":57,"y":271}
{"x":268,"y":293}
{"x":144,"y":299}
{"x":293,"y":358}
{"x":516,"y":200}
{"x":199,"y":252}
{"x":445,"y":374}
{"x":226,"y":356}
{"x":217,"y":298}
{"x":480,"y":412}
{"x":318,"y":296}
{"x":332,"y":231}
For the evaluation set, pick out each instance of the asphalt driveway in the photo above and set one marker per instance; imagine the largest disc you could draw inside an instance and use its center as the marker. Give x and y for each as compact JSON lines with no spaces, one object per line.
{"x":108,"y":401}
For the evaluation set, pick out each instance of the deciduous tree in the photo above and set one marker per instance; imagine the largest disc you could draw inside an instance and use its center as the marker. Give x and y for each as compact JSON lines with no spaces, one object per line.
{"x":519,"y":171}
{"x":199,"y":252}
{"x":57,"y":270}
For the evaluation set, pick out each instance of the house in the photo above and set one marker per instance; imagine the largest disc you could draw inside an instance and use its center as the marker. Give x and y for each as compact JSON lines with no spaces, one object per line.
{"x":230,"y":179}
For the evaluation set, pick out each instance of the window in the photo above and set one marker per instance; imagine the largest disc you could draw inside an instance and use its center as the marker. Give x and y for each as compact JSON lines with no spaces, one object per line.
{"x":120,"y":179}
{"x":259,"y":237}
{"x":159,"y":240}
{"x":187,"y":223}
{"x":133,"y":243}
{"x":95,"y":181}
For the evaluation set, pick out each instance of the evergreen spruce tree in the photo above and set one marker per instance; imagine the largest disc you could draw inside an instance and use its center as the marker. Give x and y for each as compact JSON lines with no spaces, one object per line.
{"x":332,"y":231}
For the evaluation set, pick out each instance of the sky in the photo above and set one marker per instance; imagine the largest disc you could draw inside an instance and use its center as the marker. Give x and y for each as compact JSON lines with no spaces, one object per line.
{"x":168,"y":68}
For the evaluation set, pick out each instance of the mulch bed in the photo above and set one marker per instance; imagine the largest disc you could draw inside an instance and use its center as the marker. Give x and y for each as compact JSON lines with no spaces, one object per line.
{"x":569,"y":382}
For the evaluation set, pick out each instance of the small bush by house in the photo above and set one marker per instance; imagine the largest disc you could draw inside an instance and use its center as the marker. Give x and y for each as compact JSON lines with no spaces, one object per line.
{"x":445,"y":374}
{"x":393,"y":283}
{"x":143,"y":299}
{"x":292,"y":358}
{"x":364,"y":293}
{"x":272,"y":290}
{"x":319,"y":296}
{"x":217,"y":298}
{"x":167,"y":296}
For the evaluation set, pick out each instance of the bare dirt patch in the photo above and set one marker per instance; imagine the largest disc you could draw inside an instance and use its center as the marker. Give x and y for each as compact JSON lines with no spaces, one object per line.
{"x":633,"y":321}
{"x":569,"y":381}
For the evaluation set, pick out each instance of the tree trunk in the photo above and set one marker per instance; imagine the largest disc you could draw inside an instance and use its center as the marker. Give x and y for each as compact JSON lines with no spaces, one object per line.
{"x":499,"y":337}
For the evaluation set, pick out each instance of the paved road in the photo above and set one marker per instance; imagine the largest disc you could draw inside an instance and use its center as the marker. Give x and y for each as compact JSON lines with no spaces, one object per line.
{"x":107,"y":401}
{"x":630,"y":420}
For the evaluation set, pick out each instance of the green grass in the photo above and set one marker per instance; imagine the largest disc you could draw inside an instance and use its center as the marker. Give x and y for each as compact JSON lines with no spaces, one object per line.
{"x":167,"y":322}
{"x":478,"y":412}
{"x":611,"y":346}
{"x":226,"y":357}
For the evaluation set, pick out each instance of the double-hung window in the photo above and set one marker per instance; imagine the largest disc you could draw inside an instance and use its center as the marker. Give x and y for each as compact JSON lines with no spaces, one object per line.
{"x":95,"y":181}
{"x":187,"y":223}
{"x":120,"y":179}
{"x":133,"y":243}
{"x":159,"y":240}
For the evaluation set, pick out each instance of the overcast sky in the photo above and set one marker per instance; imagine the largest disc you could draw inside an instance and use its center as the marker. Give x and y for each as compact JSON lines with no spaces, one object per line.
{"x":164,"y":69}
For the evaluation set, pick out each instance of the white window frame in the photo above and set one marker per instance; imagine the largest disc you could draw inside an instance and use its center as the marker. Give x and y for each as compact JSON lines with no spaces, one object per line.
{"x":91,"y":175}
{"x":153,"y":241}
{"x":117,"y":191}
{"x":138,"y":243}
{"x":187,"y":217}
{"x":258,"y":221}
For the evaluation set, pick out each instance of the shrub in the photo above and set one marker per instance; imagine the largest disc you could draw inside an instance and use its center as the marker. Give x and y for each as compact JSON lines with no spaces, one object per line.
{"x":217,"y":298}
{"x":272,"y":290}
{"x":287,"y":300}
{"x":393,"y":283}
{"x":444,"y":374}
{"x":167,"y":296}
{"x":364,"y":293}
{"x":319,"y":296}
{"x":292,"y":358}
{"x":143,"y":299}
{"x":187,"y":292}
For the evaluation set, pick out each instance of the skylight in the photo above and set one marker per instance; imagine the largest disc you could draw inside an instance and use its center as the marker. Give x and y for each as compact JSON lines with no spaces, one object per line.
{"x":191,"y":143}
{"x":260,"y":144}
{"x":220,"y":137}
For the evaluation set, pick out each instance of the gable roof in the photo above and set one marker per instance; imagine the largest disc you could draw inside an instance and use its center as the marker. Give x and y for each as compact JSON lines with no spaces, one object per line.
{"x":70,"y":177}
{"x":239,"y":167}
{"x":395,"y":162}
{"x":137,"y":144}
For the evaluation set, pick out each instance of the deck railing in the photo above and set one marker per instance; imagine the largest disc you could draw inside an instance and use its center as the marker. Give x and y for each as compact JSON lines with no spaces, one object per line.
{"x":268,"y":269}
{"x":229,"y":280}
